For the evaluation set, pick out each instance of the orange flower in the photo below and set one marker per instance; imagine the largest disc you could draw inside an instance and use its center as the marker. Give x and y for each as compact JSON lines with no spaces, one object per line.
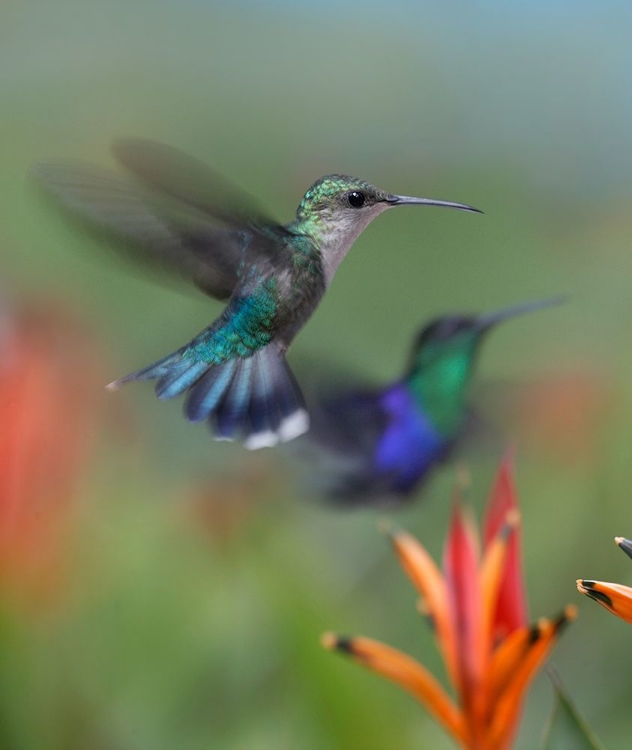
{"x":49,"y":395}
{"x":615,"y":597}
{"x":477,"y":609}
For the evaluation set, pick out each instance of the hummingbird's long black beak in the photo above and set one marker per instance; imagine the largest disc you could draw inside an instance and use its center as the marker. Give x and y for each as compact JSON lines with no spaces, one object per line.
{"x":487,"y":320}
{"x":408,"y":200}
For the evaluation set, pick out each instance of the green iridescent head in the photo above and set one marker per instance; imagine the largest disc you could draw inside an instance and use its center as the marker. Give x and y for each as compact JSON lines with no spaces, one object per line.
{"x":338,"y":192}
{"x":445,"y":337}
{"x":443,"y":360}
{"x":456,"y":337}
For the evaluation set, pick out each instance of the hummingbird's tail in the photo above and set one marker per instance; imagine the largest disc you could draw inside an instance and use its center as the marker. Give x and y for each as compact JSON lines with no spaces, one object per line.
{"x":254,"y":398}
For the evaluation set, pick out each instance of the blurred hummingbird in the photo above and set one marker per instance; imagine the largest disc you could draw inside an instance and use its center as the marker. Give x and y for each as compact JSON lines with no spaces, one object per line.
{"x":382,"y":444}
{"x":272,"y":276}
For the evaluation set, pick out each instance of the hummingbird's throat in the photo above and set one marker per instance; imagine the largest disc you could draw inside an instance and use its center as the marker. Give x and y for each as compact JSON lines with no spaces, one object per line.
{"x":442,"y":388}
{"x":338,"y":237}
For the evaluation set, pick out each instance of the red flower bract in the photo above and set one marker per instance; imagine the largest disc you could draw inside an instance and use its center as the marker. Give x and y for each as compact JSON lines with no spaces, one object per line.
{"x":477,"y":608}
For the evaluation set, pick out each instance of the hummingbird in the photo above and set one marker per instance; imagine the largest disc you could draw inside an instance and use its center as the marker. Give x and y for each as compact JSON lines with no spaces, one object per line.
{"x":381,"y":444}
{"x":272,"y":276}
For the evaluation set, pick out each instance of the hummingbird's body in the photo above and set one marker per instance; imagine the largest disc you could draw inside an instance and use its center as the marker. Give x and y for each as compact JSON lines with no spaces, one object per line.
{"x":273,"y":276}
{"x":384,"y":443}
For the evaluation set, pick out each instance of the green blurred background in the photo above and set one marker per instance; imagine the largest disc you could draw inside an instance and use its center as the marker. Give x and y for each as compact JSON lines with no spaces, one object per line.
{"x":201,"y":579}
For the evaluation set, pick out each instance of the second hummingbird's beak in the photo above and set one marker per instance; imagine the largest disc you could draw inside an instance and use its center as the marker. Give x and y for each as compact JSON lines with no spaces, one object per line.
{"x":408,"y":200}
{"x":486,"y":321}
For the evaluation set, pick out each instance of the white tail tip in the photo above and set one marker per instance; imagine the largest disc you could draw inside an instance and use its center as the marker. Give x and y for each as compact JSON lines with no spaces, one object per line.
{"x":258,"y":440}
{"x":291,"y":427}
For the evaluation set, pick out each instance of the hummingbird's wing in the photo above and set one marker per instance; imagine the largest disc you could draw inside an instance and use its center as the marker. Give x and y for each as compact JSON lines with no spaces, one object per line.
{"x":174,"y":173}
{"x":334,"y":460}
{"x":147,"y":231}
{"x":350,"y":423}
{"x":347,"y":414}
{"x":336,"y":457}
{"x":195,"y":185}
{"x":197,"y":226}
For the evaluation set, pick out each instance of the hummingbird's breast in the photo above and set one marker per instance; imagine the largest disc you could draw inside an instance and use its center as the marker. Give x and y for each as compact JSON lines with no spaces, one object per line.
{"x":301,"y":286}
{"x":410,"y":445}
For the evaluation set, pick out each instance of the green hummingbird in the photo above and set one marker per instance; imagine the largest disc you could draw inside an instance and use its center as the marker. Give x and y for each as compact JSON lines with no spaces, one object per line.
{"x":271,"y":275}
{"x":372,"y":445}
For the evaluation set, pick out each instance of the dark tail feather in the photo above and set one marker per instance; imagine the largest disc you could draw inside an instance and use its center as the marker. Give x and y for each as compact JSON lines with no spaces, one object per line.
{"x":255,"y":398}
{"x":180,"y":379}
{"x":290,"y":397}
{"x":230,"y":417}
{"x":174,"y":374}
{"x":264,"y":410}
{"x":204,"y":396}
{"x":264,"y":405}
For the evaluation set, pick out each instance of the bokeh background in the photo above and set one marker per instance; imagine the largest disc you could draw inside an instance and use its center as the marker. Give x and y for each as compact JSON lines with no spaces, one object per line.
{"x":183,"y":603}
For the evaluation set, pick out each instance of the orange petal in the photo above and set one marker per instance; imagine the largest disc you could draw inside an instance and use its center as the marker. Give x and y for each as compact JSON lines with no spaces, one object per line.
{"x":493,"y":569}
{"x":507,"y":711}
{"x":491,"y":575}
{"x":615,"y":597}
{"x":511,"y":610}
{"x":404,"y":671}
{"x":506,"y":658}
{"x":426,"y":577}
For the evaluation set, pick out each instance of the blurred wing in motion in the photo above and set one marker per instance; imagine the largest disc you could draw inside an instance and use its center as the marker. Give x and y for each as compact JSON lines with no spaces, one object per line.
{"x":173,"y":173}
{"x":183,"y":219}
{"x":371,"y":448}
{"x":337,"y":453}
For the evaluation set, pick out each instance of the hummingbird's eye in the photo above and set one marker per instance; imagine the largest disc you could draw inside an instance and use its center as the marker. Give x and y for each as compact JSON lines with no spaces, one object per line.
{"x":356,"y":199}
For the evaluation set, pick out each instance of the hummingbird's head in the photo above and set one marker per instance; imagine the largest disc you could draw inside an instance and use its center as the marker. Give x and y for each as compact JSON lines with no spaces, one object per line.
{"x":444,"y":337}
{"x":444,"y":358}
{"x":351,"y":202}
{"x":337,"y":208}
{"x":456,"y":337}
{"x":342,"y":203}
